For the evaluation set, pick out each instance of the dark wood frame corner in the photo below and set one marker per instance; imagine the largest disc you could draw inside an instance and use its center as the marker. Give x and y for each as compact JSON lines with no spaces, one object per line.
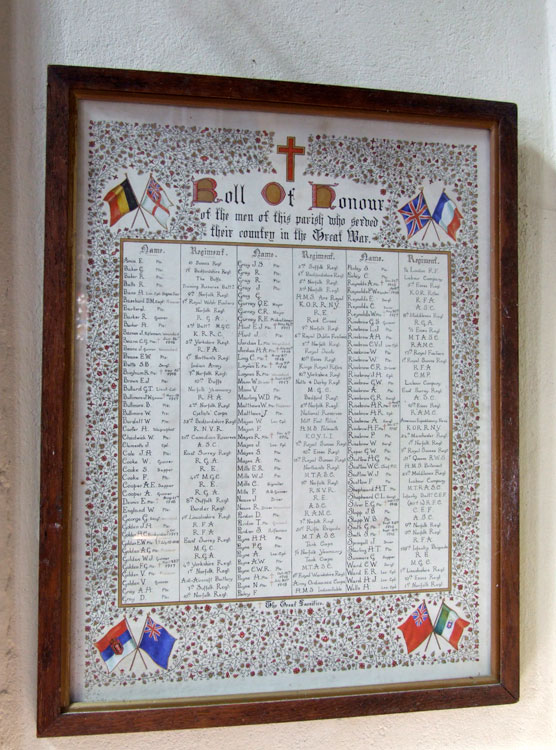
{"x":65,"y":86}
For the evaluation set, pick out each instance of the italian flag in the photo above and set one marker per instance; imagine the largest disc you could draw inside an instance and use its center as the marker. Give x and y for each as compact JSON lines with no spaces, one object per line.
{"x":450,"y":625}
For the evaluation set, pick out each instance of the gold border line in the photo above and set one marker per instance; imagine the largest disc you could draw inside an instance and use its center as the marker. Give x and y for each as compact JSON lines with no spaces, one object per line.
{"x":330,"y":595}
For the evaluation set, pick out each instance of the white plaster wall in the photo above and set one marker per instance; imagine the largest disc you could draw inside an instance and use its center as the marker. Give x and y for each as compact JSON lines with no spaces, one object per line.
{"x":498,"y":49}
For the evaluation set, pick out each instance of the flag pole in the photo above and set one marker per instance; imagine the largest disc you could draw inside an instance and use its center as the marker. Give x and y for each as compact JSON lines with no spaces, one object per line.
{"x":433,"y":627}
{"x":145,"y":188}
{"x":142,"y":658}
{"x":133,"y":660}
{"x":138,"y":205}
{"x":422,"y":192}
{"x":134,"y":657}
{"x":138,"y":647}
{"x":435,"y":229}
{"x":128,"y":626}
{"x":432,"y":221}
{"x":435,"y":624}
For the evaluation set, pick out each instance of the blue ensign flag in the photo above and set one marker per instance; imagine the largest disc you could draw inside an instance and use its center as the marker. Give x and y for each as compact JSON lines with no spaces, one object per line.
{"x":157,"y":642}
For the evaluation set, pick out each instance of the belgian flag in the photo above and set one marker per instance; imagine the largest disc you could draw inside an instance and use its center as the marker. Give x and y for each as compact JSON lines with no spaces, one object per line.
{"x":121,"y":200}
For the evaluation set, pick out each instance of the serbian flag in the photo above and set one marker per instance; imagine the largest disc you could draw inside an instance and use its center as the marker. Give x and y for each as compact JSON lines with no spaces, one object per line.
{"x":116,"y":645}
{"x":450,"y":625}
{"x":156,"y":202}
{"x":121,"y":200}
{"x":415,"y":214}
{"x":416,"y":628}
{"x":157,"y":642}
{"x":447,"y":216}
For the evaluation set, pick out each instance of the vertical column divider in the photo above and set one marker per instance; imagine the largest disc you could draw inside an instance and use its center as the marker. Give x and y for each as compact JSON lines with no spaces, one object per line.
{"x":293,"y":424}
{"x":237,"y":397}
{"x":399,"y":413}
{"x":347,"y":419}
{"x":179,"y":437}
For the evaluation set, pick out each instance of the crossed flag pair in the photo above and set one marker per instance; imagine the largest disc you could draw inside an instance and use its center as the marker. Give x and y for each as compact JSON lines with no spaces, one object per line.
{"x":119,"y":642}
{"x":157,"y":642}
{"x":416,"y":215}
{"x":419,"y":626}
{"x":122,"y":200}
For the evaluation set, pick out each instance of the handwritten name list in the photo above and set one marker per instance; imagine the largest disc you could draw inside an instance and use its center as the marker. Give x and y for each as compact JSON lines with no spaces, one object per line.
{"x":284,"y":422}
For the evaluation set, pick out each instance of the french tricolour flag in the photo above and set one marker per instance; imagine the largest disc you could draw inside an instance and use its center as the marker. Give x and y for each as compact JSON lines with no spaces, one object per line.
{"x":447,"y":215}
{"x":116,"y":645}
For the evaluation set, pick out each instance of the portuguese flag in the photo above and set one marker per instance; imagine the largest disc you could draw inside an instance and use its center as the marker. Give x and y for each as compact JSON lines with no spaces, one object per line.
{"x":121,"y":200}
{"x":450,"y":625}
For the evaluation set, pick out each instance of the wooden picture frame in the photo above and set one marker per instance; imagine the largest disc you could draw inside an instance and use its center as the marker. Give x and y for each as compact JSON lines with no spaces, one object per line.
{"x":416,"y":184}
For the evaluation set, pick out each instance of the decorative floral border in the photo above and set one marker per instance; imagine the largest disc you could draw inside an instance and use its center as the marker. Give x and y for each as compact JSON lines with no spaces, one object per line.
{"x":241,"y":639}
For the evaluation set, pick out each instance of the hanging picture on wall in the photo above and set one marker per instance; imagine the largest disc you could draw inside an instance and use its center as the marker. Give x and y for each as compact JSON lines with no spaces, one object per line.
{"x":279,"y":467}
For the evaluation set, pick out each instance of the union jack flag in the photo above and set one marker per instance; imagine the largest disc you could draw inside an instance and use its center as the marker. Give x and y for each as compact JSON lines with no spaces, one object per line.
{"x":416,"y":214}
{"x":154,"y":190}
{"x":420,"y":614}
{"x":153,"y":629}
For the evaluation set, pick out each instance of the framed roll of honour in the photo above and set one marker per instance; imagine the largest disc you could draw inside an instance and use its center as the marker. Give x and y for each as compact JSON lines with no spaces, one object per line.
{"x":279,"y":450}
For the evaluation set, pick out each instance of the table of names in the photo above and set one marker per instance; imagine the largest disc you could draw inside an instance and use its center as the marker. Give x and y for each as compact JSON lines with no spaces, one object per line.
{"x":285,"y":421}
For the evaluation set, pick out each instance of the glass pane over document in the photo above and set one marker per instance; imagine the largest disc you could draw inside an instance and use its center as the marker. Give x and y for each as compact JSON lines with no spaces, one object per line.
{"x":282,"y":403}
{"x":284,"y":421}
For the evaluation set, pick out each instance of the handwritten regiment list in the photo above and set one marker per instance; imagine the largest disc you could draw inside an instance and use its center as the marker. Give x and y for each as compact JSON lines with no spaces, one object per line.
{"x":285,"y":421}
